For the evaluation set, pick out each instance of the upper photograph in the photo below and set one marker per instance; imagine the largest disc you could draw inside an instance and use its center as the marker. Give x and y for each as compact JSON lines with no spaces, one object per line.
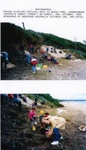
{"x":43,"y":51}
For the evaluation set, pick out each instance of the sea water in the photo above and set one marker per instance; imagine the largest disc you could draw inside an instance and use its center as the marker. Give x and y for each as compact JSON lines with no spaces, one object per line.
{"x":73,"y":101}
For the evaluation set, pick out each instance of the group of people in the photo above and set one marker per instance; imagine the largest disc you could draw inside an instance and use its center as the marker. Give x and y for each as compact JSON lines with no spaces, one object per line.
{"x":48,"y":57}
{"x":13,"y":98}
{"x":51,"y":124}
{"x":28,"y":58}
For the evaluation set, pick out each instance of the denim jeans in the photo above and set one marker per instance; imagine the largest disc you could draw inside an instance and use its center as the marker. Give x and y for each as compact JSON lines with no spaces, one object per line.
{"x":34,"y":68}
{"x":56,"y":134}
{"x":28,"y":59}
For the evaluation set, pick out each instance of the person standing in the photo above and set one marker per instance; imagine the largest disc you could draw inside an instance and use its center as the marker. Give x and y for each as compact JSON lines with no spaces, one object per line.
{"x":36,"y":101}
{"x":33,"y":63}
{"x":47,"y":49}
{"x":31,"y":49}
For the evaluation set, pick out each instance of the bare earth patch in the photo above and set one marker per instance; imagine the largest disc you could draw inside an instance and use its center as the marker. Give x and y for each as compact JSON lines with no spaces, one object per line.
{"x":67,"y":70}
{"x":17,"y":134}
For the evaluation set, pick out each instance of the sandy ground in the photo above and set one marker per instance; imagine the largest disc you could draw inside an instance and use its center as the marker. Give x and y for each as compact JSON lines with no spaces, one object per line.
{"x":71,"y":70}
{"x":74,"y":70}
{"x":75,"y":115}
{"x":74,"y":111}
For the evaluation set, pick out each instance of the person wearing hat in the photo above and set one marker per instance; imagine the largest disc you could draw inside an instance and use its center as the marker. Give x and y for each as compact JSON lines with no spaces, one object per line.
{"x":40,"y":117}
{"x":43,"y":115}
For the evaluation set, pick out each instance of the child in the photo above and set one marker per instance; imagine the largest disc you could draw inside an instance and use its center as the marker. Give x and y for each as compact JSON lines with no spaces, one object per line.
{"x":44,"y":128}
{"x":33,"y":63}
{"x":32,"y":117}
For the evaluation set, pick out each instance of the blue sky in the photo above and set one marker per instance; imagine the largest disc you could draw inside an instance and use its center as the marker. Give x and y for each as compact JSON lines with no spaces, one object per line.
{"x":70,"y":96}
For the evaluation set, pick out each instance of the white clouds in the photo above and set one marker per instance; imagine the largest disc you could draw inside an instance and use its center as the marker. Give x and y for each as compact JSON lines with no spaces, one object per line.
{"x":69,"y":89}
{"x":58,"y":89}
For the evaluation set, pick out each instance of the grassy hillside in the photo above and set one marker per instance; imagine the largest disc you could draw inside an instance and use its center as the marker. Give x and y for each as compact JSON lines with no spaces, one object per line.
{"x":12,"y":37}
{"x":16,"y":133}
{"x":47,"y":98}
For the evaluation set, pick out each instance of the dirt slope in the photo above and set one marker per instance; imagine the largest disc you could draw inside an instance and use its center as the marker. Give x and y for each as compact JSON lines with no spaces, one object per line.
{"x":16,"y":133}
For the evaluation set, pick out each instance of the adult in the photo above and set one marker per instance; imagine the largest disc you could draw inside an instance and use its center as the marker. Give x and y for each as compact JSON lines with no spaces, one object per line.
{"x":55,"y":124}
{"x":11,"y":97}
{"x":31,"y":49}
{"x":36,"y":99}
{"x":27,"y":57}
{"x":47,"y":49}
{"x":4,"y":59}
{"x":45,"y":56}
{"x":68,"y":56}
{"x":17,"y":101}
{"x":53,"y":60}
{"x":4,"y":97}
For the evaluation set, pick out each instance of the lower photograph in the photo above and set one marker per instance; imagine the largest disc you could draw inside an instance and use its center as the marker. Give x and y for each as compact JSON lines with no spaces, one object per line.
{"x":43,"y":122}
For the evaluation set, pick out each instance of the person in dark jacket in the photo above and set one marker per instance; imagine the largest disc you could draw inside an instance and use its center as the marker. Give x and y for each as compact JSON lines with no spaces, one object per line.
{"x":4,"y":59}
{"x":17,"y":101}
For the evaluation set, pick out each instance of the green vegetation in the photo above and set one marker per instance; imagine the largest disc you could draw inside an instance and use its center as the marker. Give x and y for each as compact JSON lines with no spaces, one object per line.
{"x":13,"y":36}
{"x":47,"y":98}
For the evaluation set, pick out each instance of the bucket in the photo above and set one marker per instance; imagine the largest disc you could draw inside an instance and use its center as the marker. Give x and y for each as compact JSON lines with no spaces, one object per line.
{"x":33,"y":128}
{"x":45,"y":67}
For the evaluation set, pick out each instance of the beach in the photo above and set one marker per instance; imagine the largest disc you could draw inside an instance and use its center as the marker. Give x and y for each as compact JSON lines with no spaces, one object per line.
{"x":17,"y":128}
{"x":75,"y":115}
{"x":75,"y":111}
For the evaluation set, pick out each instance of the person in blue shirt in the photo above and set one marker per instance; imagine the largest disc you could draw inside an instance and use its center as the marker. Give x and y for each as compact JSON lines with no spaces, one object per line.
{"x":47,"y":49}
{"x":17,"y":101}
{"x":4,"y":59}
{"x":27,"y":57}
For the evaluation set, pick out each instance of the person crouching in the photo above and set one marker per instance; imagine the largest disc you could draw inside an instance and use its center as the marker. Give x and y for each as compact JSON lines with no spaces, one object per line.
{"x":55,"y":124}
